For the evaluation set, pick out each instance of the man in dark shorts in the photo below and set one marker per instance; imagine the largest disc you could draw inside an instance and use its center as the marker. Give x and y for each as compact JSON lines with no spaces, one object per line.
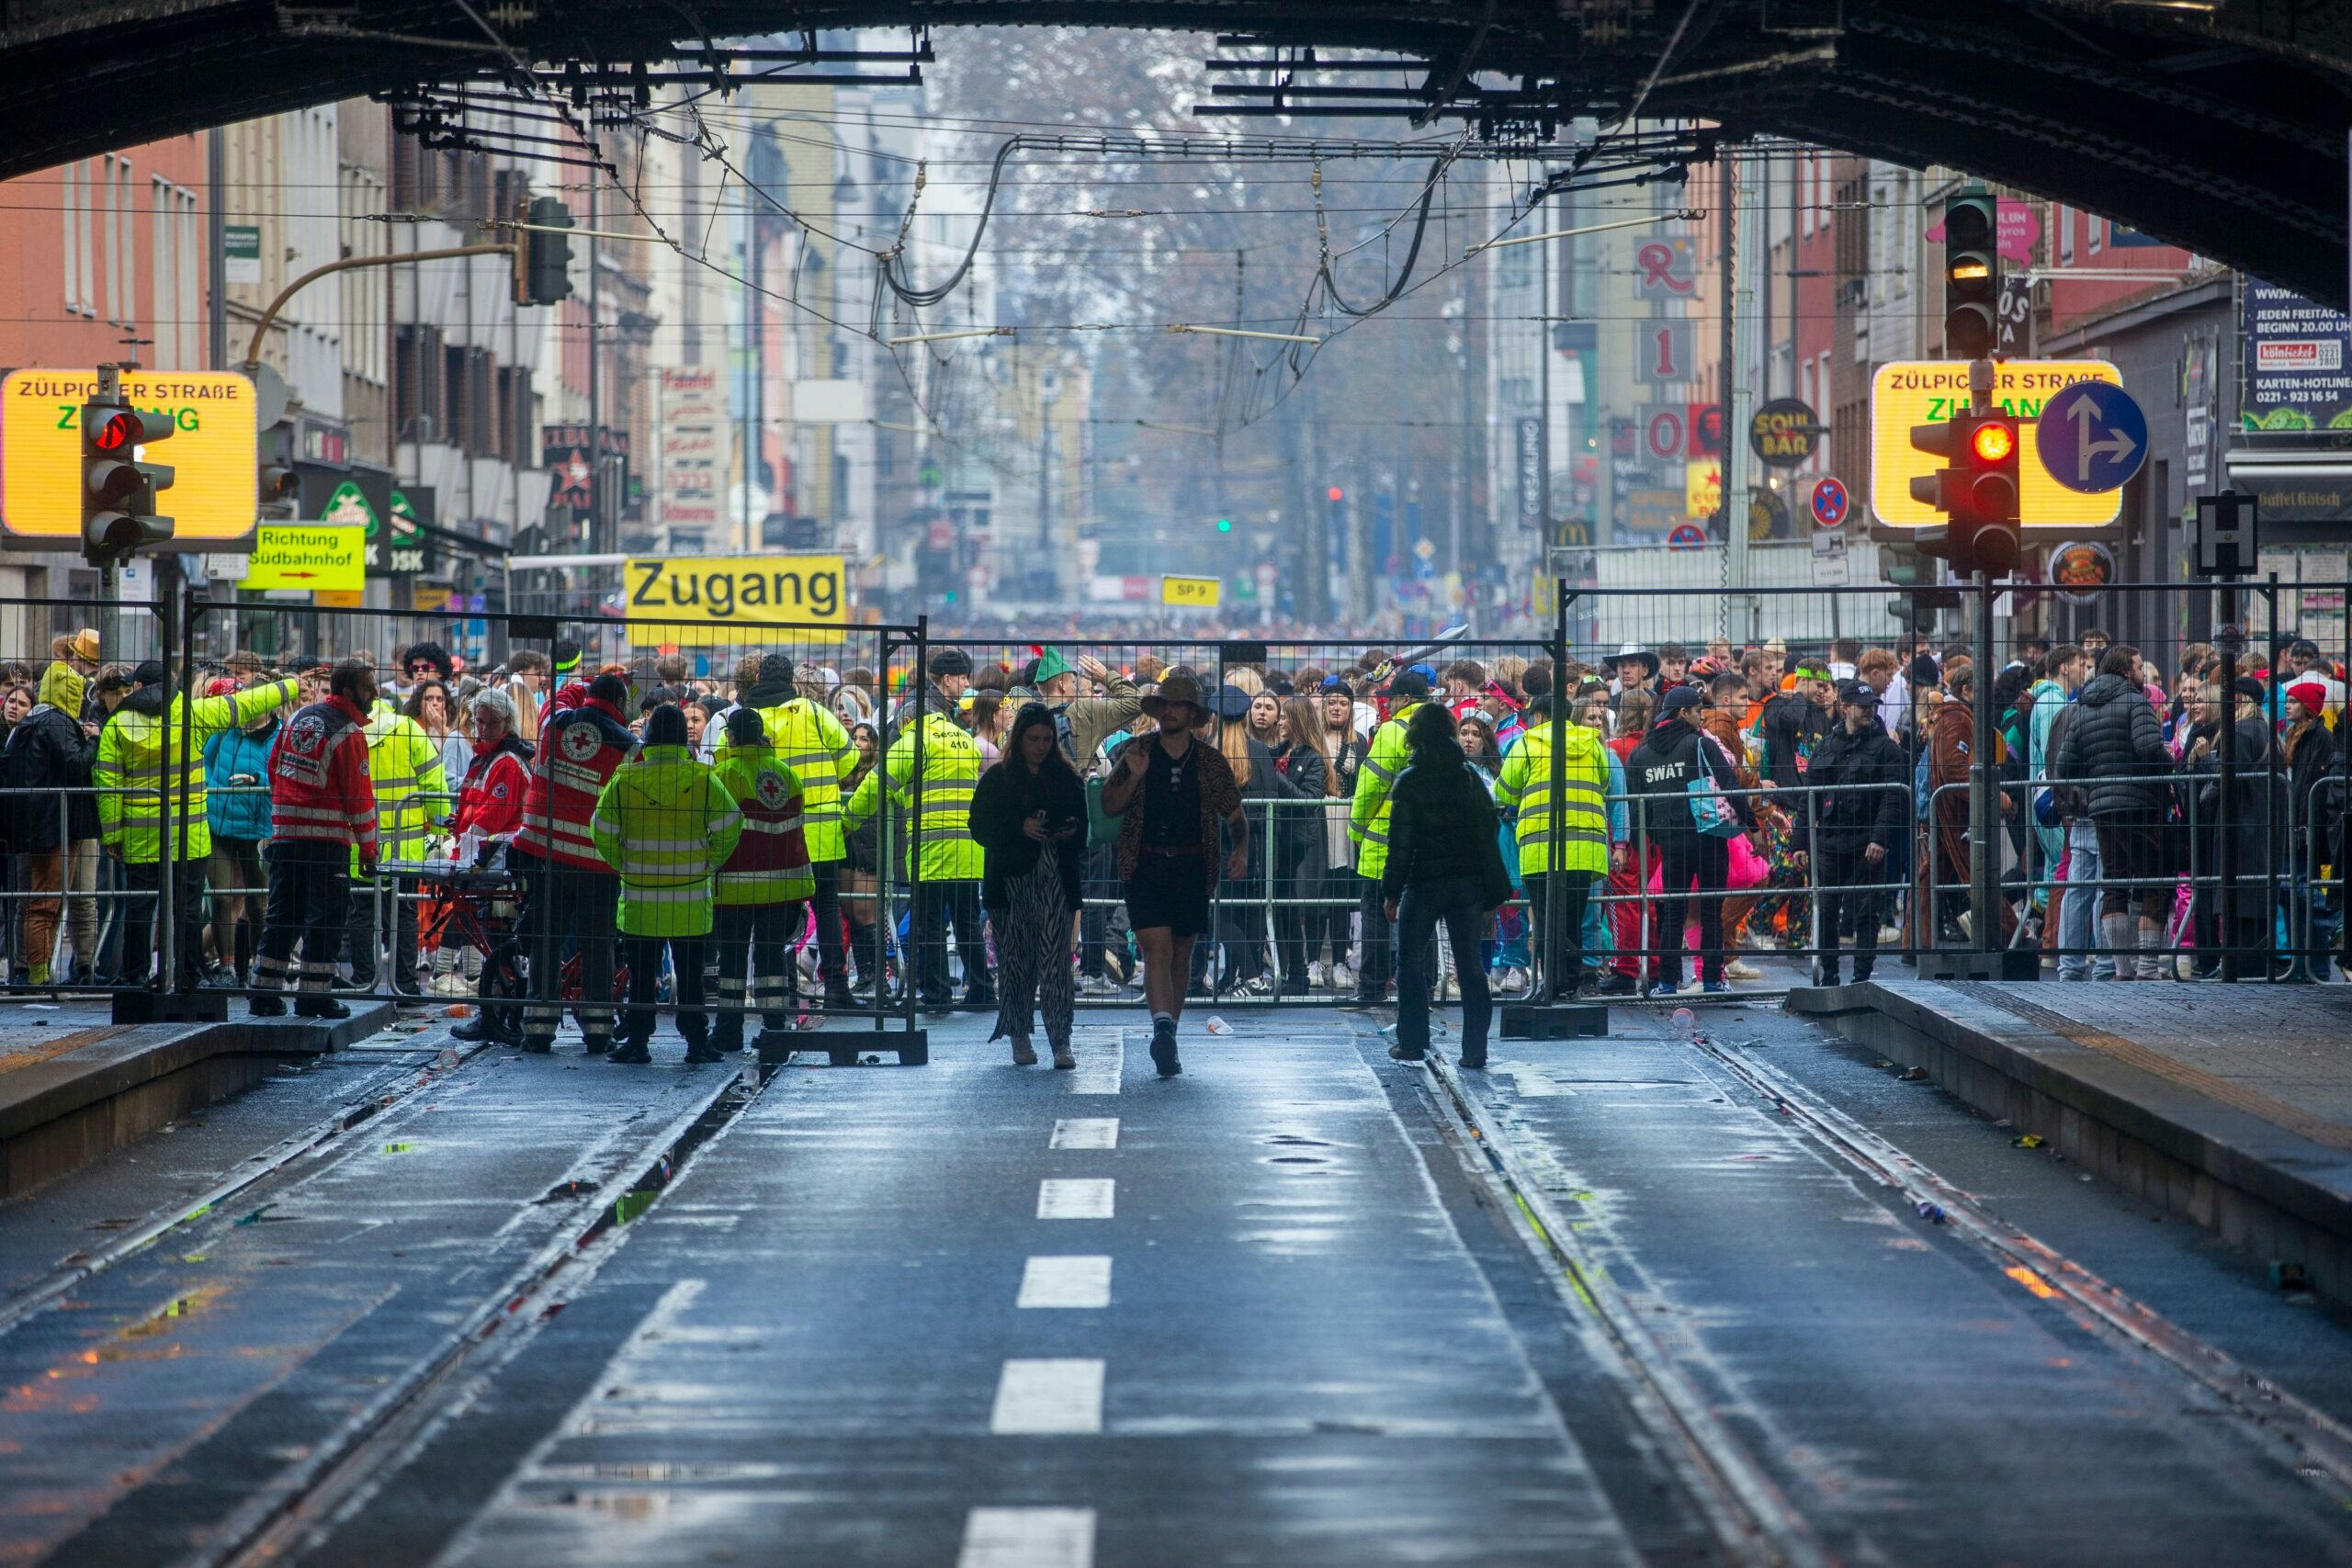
{"x":1173,"y":793}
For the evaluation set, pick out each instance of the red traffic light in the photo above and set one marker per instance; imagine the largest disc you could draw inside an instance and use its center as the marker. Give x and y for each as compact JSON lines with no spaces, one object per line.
{"x":117,"y":432}
{"x":1336,"y":493}
{"x":1992,"y":442}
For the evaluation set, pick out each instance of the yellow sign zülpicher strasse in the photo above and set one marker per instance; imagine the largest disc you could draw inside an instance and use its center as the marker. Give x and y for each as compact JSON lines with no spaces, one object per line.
{"x":214,"y":498}
{"x":1199,"y":592}
{"x":683,"y":599}
{"x":1925,"y":392}
{"x":329,"y":557}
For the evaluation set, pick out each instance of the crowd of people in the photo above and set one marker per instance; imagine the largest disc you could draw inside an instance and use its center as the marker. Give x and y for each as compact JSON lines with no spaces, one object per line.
{"x":1061,"y":827}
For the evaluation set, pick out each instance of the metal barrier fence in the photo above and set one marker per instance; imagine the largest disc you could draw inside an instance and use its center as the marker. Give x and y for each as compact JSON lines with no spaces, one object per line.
{"x":1294,"y":907}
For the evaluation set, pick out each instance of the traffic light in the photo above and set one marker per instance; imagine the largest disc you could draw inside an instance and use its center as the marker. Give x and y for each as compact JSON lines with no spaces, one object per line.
{"x":543,"y":261}
{"x":1225,"y":525}
{"x":119,"y":491}
{"x":1977,"y":491}
{"x":1971,"y":275}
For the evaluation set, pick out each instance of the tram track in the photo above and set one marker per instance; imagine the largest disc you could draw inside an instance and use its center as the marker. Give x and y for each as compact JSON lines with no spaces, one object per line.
{"x":285,"y":1516}
{"x":243,"y":1178}
{"x":2312,"y":1444}
{"x":1745,"y":1509}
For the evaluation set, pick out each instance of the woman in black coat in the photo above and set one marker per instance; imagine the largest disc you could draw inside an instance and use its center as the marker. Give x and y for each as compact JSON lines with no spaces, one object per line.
{"x":1442,"y":828}
{"x":1029,"y":815}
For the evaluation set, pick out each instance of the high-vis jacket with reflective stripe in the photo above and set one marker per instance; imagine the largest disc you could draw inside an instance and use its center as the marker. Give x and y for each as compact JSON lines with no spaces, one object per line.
{"x":1368,"y":817}
{"x":666,"y":825}
{"x":319,"y":788}
{"x":579,"y":750}
{"x":951,"y":771}
{"x":410,"y":787}
{"x":1525,"y":786}
{"x":770,"y":864}
{"x":812,"y":742}
{"x":139,"y":751}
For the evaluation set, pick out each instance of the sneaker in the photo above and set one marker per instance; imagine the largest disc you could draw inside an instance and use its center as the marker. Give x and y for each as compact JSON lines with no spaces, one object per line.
{"x":1661,"y":989}
{"x":1740,"y":969}
{"x":1163,"y":1049}
{"x":321,"y":1008}
{"x":1317,"y":976}
{"x":700,"y":1052}
{"x":1343,"y":978}
{"x":633,"y":1054}
{"x":1361,"y":1002}
{"x":1821,"y":976}
{"x":1690,"y":987}
{"x":1406,"y":1054}
{"x":1258,"y":985}
{"x":269,"y":1006}
{"x":1716,"y":987}
{"x":1617,"y":983}
{"x":1099,"y":986}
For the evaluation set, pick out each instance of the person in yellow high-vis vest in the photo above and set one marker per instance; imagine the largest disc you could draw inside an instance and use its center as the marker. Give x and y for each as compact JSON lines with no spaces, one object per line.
{"x":1525,"y":787}
{"x":412,"y":790}
{"x":928,"y":773}
{"x":665,"y":825}
{"x":810,"y":742}
{"x":143,"y":772}
{"x":1368,"y":830}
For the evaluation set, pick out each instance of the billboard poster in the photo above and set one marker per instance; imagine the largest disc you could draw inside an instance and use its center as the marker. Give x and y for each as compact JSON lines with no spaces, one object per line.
{"x":2294,"y":352}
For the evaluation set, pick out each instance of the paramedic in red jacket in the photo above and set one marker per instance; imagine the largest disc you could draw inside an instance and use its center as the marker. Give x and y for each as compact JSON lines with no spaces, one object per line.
{"x":574,"y":893}
{"x":321,"y":808}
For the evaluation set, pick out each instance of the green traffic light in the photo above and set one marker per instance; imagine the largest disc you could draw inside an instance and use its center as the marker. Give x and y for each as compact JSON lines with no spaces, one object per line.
{"x":1225,"y":525}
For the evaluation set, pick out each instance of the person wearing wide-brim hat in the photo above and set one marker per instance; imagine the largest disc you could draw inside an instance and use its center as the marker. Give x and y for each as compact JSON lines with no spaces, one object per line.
{"x":1173,"y":796}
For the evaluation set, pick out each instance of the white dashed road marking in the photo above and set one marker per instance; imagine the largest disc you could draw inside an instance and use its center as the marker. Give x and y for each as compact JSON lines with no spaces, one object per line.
{"x":1066,"y":1282}
{"x":1028,"y":1537}
{"x":1086,"y":1132}
{"x":1102,"y":1059}
{"x":1048,"y":1397}
{"x":1075,"y":1198}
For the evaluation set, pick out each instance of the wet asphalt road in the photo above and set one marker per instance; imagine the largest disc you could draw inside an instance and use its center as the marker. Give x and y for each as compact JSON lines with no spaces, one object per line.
{"x":1274,"y":1312}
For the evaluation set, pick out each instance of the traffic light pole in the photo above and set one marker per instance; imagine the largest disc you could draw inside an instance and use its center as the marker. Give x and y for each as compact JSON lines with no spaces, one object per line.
{"x":350,"y":263}
{"x":2229,"y":643}
{"x":1983,"y":791}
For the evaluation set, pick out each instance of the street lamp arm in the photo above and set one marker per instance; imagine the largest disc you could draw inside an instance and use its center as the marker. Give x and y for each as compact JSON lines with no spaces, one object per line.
{"x":348,"y":263}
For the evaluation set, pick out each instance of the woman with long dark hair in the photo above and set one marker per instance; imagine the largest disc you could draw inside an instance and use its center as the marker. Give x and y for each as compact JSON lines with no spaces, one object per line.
{"x":1442,"y":828}
{"x":1029,"y":815}
{"x":1304,"y":762}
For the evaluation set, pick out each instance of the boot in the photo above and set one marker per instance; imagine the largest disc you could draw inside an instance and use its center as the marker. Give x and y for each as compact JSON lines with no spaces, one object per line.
{"x":633,"y":1054}
{"x":1024,"y":1053}
{"x":1062,"y":1057}
{"x":323,"y":1007}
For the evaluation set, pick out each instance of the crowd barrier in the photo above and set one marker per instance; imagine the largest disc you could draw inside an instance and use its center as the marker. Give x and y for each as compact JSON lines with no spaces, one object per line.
{"x":1292,"y":900}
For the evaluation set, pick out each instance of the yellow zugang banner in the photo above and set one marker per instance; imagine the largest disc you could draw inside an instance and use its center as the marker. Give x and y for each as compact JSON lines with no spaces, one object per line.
{"x":679,"y":599}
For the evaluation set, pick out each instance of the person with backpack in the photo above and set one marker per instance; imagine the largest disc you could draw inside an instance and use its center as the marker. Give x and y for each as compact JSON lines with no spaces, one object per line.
{"x":1675,"y":755}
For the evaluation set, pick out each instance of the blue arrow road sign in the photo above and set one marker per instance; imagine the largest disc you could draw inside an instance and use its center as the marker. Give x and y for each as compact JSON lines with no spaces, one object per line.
{"x":2092,"y":437}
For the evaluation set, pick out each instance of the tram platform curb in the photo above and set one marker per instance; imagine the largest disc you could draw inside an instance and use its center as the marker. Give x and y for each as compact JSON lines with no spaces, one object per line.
{"x":62,"y":1113}
{"x":2170,"y":1134}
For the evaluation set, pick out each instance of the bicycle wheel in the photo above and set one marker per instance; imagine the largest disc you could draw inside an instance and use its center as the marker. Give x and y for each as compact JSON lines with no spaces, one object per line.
{"x":502,"y":987}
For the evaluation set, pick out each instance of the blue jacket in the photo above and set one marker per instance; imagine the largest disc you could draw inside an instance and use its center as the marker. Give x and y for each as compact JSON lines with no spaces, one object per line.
{"x":244,"y":814}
